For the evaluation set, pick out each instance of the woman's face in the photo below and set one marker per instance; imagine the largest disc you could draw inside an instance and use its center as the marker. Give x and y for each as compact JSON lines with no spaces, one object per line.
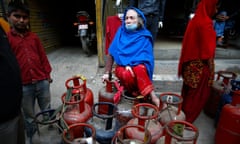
{"x":131,"y":17}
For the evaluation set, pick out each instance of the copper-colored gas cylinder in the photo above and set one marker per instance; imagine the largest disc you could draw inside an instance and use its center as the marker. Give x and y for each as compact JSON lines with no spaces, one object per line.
{"x":76,"y":109}
{"x":145,"y":115}
{"x":73,"y":136}
{"x":217,"y":90}
{"x":106,"y":94}
{"x":170,"y":107}
{"x":178,"y":131}
{"x":121,"y":138}
{"x":228,"y":128}
{"x":79,"y":84}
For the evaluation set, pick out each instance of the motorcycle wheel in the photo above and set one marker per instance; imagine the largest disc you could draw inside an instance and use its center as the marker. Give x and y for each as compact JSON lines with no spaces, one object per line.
{"x":84,"y":42}
{"x":232,"y":34}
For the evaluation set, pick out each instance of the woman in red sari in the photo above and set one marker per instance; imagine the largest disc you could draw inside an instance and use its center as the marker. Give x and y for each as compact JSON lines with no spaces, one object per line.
{"x":132,"y":51}
{"x":196,"y":64}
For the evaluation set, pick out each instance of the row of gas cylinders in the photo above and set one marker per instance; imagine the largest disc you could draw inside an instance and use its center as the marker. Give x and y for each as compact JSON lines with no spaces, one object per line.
{"x":120,"y":118}
{"x":224,"y":106}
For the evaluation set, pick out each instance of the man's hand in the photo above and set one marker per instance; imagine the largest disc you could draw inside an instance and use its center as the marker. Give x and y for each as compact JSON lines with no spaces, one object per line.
{"x":191,"y":15}
{"x":160,"y":24}
{"x":221,"y":17}
{"x":50,"y":80}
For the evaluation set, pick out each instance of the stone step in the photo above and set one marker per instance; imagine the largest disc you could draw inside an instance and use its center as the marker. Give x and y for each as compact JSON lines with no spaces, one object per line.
{"x":170,"y":49}
{"x":165,"y":73}
{"x":167,"y":69}
{"x":174,"y":54}
{"x":167,"y":83}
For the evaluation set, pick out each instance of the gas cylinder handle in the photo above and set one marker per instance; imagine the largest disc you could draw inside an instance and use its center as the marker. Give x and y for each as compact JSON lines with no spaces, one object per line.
{"x":142,"y":119}
{"x":117,"y":95}
{"x":120,"y":134}
{"x":170,"y":100}
{"x":49,"y":112}
{"x":104,"y":116}
{"x":76,"y":84}
{"x":226,"y":75}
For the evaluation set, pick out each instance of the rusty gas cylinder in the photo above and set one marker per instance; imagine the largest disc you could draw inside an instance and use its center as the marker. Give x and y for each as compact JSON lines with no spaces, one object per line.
{"x":76,"y":109}
{"x":121,"y":138}
{"x":170,"y":107}
{"x":178,"y":131}
{"x":106,"y":94}
{"x":79,"y":84}
{"x":217,"y":90}
{"x":228,"y":128}
{"x":226,"y":76}
{"x":145,"y":115}
{"x":125,"y":105}
{"x":73,"y":136}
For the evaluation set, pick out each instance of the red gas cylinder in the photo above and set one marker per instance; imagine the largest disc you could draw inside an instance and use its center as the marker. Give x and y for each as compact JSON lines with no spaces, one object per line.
{"x":170,"y":107}
{"x":217,"y":90}
{"x":121,"y":138}
{"x":235,"y":92}
{"x":79,"y":84}
{"x":107,"y":94}
{"x":236,"y":98}
{"x":72,"y":136}
{"x":178,"y":131}
{"x":76,"y":109}
{"x":145,"y":115}
{"x":228,"y":128}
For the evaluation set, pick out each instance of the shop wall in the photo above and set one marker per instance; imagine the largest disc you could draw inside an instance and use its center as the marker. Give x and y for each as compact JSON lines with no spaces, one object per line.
{"x":44,"y":23}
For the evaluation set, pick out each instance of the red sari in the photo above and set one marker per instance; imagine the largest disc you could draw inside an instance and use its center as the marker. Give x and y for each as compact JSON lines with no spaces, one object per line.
{"x":196,"y":64}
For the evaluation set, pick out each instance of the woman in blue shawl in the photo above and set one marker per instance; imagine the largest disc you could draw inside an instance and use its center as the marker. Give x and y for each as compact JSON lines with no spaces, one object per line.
{"x":132,"y":51}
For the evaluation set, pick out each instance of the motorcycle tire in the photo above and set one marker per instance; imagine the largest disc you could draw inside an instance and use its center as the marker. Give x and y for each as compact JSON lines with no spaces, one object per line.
{"x":84,"y":43}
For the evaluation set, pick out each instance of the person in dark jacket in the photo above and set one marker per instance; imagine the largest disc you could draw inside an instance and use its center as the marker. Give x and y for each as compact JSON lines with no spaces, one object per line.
{"x":11,"y":122}
{"x":153,"y":11}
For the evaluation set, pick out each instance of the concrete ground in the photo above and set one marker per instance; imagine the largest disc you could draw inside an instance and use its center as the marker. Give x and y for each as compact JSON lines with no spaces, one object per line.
{"x":69,"y":61}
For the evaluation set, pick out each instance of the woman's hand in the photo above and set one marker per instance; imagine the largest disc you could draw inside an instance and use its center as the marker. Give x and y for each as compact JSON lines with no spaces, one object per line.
{"x":128,"y":68}
{"x":105,"y":77}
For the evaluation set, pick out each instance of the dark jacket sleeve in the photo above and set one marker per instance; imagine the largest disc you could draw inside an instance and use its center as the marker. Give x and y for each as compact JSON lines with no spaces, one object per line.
{"x":133,"y":3}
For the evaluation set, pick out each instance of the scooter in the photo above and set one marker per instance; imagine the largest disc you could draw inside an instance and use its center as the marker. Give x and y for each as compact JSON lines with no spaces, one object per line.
{"x":86,"y":31}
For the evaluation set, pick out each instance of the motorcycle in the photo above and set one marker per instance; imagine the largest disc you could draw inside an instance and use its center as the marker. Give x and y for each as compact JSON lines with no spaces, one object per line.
{"x":86,"y":31}
{"x":232,"y":29}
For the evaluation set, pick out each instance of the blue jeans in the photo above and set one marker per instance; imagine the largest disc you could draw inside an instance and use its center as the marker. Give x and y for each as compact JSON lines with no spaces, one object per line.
{"x":39,"y":91}
{"x":219,"y":26}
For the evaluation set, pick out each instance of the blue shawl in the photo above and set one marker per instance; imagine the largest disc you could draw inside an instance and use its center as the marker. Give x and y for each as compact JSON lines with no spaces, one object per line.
{"x":131,"y":48}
